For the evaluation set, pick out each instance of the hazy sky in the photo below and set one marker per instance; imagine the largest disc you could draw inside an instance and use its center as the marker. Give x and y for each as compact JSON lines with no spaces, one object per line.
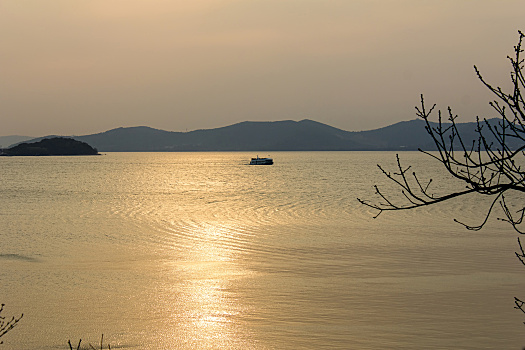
{"x":86,"y":66}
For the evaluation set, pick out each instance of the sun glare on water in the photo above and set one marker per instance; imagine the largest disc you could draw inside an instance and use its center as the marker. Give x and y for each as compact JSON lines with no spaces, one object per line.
{"x":205,"y":308}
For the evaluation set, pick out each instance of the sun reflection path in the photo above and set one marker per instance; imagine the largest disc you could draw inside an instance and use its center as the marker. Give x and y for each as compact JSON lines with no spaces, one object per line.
{"x":208,"y":308}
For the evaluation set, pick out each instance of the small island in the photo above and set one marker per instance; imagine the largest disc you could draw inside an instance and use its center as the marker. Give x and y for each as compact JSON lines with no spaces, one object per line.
{"x":56,"y":146}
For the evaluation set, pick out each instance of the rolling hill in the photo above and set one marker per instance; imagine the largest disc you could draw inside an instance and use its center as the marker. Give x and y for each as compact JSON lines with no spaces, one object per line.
{"x":287,"y":135}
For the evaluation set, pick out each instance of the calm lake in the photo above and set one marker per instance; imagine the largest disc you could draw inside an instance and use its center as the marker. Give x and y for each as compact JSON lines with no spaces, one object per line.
{"x":202,"y":251}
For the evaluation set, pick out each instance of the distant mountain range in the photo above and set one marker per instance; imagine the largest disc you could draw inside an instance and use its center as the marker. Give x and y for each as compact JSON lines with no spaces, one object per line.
{"x":304,"y":135}
{"x":6,"y":141}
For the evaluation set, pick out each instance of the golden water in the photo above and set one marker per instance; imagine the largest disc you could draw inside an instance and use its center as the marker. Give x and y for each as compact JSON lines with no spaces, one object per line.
{"x":202,"y":251}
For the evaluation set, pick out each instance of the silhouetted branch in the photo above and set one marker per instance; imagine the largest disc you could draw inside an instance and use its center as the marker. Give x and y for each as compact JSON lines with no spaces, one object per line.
{"x":489,"y":165}
{"x":91,"y":346}
{"x":7,"y":324}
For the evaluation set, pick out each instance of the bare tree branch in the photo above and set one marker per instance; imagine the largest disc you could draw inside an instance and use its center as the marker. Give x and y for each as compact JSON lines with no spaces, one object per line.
{"x":7,"y":324}
{"x":489,"y":165}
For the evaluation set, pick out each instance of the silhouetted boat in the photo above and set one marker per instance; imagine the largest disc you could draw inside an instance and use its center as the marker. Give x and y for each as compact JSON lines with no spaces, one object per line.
{"x":261,"y":161}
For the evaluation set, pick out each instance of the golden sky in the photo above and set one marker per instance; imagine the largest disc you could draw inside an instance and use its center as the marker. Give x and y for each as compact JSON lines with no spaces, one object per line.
{"x":86,"y":66}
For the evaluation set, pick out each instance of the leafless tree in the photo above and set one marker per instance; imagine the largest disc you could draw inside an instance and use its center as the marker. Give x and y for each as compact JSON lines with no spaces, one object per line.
{"x":490,"y":165}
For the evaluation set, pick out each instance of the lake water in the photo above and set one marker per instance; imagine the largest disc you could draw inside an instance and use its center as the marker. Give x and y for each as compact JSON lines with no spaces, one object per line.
{"x":202,"y":251}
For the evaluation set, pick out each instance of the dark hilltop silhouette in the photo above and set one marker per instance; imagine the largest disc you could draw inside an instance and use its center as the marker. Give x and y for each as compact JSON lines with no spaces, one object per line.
{"x":287,"y":135}
{"x":304,"y":135}
{"x":56,"y":146}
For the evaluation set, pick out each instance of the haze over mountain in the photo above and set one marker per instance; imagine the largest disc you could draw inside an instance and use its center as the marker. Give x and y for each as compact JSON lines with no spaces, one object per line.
{"x":287,"y":135}
{"x":12,"y":139}
{"x":79,"y":67}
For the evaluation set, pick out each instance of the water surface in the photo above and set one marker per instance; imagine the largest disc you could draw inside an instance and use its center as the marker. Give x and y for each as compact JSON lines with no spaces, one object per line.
{"x":202,"y":251}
